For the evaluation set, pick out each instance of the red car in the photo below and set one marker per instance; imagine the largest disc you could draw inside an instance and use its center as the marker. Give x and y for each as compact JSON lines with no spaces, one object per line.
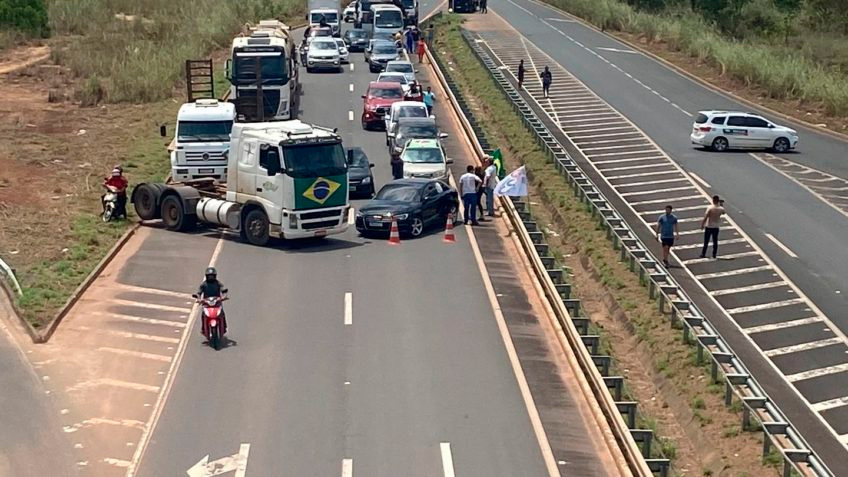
{"x":378,"y":99}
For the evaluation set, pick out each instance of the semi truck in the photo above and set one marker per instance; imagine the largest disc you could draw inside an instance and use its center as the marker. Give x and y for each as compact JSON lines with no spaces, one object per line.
{"x":327,"y":10}
{"x":287,"y":179}
{"x":262,"y":73}
{"x":201,"y":140}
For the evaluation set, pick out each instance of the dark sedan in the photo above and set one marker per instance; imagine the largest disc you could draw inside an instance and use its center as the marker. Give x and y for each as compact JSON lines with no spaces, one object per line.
{"x":415,"y":203}
{"x":356,"y":39}
{"x":360,"y":180}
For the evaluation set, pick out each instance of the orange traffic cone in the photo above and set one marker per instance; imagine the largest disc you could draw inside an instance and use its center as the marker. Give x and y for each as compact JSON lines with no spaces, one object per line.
{"x":394,"y":234}
{"x":449,"y":237}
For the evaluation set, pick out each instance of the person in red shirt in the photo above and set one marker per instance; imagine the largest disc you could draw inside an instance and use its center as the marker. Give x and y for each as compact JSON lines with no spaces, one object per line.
{"x":119,"y":183}
{"x":422,"y":48}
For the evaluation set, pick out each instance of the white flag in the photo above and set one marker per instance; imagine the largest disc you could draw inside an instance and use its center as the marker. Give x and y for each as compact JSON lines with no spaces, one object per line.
{"x":515,"y":184}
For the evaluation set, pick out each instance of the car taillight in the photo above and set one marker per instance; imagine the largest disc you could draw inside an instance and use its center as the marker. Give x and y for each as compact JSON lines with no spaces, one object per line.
{"x":705,"y":129}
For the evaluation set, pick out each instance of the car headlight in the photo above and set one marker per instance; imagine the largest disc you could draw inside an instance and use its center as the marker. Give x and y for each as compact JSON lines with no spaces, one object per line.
{"x":367,"y":180}
{"x":358,"y":214}
{"x":293,"y":221}
{"x":400,"y":216}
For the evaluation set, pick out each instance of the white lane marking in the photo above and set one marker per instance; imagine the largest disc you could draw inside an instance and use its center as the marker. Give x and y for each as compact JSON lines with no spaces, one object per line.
{"x":347,"y":467}
{"x":780,"y":245}
{"x":616,"y":50}
{"x":731,"y":256}
{"x":150,"y":426}
{"x":351,"y":87}
{"x":676,"y":209}
{"x":116,"y":462}
{"x":241,"y":464}
{"x":699,"y":179}
{"x":136,"y":354}
{"x":649,"y":192}
{"x":699,"y":245}
{"x":810,"y":189}
{"x":138,"y":319}
{"x":664,"y":181}
{"x":350,"y":115}
{"x":578,"y":138}
{"x":639,"y":174}
{"x":619,"y":146}
{"x":666,"y":200}
{"x":149,"y":306}
{"x":564,"y":20}
{"x":784,"y":324}
{"x":348,"y":308}
{"x":638,"y":142}
{"x":351,"y":67}
{"x":447,"y":459}
{"x":135,"y":336}
{"x":731,"y":273}
{"x":351,"y":216}
{"x":765,"y":306}
{"x":750,"y":288}
{"x":116,"y":383}
{"x":590,"y":128}
{"x":691,"y":232}
{"x":154,"y":291}
{"x":98,"y":421}
{"x":830,"y":404}
{"x":802,"y":347}
{"x":597,"y":114}
{"x":815,"y":373}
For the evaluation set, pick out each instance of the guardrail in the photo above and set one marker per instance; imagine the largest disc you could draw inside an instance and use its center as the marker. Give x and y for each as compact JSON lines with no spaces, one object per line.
{"x":7,"y":270}
{"x":607,"y":390}
{"x":778,"y":432}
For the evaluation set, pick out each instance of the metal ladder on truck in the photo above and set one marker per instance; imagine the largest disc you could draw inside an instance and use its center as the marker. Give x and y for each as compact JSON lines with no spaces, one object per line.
{"x":200,"y":82}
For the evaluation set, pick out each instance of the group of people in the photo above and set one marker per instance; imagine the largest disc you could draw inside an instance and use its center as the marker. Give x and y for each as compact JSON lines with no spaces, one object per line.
{"x":546,"y":76}
{"x":473,"y":185}
{"x":412,"y":39}
{"x":667,"y":231}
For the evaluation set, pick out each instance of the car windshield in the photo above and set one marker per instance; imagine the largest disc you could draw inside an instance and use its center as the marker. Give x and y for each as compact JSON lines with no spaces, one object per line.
{"x":701,"y":119}
{"x":273,"y":67}
{"x":386,"y":93}
{"x":329,"y":17}
{"x":320,"y":32}
{"x":385,"y":50}
{"x":340,"y":43}
{"x":408,"y":3}
{"x":392,"y":78}
{"x":358,"y":33}
{"x":204,"y":131}
{"x":359,"y":159}
{"x":398,"y":192}
{"x":422,"y":131}
{"x":400,"y":68}
{"x":316,"y":160}
{"x":412,"y":112}
{"x":430,"y":155}
{"x":388,"y":19}
{"x":324,"y":45}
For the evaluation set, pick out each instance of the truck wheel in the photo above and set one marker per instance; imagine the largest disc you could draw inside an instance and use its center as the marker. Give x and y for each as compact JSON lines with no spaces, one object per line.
{"x":255,"y":227}
{"x":174,"y":216}
{"x":145,"y":201}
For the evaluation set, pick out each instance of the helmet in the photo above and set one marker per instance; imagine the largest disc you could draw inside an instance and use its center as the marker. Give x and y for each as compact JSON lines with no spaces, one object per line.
{"x":211,"y":272}
{"x":118,"y":167}
{"x":116,"y":172}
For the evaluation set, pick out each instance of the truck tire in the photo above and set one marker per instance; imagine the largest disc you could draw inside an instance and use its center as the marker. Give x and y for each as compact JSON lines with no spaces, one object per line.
{"x":174,"y":216}
{"x":144,"y":201}
{"x":255,"y":227}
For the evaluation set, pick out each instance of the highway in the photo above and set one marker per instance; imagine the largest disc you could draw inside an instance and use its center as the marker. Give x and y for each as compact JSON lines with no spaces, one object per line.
{"x":782,"y":282}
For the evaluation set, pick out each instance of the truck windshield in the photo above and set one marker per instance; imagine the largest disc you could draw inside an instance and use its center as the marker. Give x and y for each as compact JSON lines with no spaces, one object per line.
{"x":303,"y":161}
{"x":388,"y":19}
{"x":329,"y":17}
{"x":274,"y":68}
{"x":204,"y":131}
{"x":408,"y":4}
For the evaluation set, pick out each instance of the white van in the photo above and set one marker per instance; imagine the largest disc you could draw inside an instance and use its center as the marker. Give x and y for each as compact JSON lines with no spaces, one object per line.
{"x":387,"y":19}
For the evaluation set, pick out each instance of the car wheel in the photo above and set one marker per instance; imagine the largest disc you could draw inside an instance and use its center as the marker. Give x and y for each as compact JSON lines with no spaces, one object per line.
{"x":452,"y":209}
{"x":255,"y":227}
{"x":364,"y":126}
{"x":416,"y":227}
{"x":781,"y":145}
{"x":720,"y":144}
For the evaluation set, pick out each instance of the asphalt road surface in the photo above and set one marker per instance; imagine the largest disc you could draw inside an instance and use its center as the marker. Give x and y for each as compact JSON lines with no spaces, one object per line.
{"x":783,"y":275}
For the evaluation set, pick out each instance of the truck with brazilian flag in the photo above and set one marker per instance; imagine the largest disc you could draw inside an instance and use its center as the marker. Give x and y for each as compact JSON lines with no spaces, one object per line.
{"x":287,"y":179}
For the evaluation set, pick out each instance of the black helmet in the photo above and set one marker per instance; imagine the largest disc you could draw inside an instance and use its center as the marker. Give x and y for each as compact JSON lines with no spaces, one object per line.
{"x":211,"y":272}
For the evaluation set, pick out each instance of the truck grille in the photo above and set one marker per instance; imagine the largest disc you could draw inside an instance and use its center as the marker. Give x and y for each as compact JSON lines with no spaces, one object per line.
{"x":320,"y":214}
{"x":205,"y":156}
{"x":320,"y":225}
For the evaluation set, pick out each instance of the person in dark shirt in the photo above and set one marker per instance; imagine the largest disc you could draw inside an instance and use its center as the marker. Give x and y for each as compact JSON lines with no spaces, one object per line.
{"x":520,"y":74}
{"x":397,"y":167}
{"x":211,"y":286}
{"x":547,"y":79}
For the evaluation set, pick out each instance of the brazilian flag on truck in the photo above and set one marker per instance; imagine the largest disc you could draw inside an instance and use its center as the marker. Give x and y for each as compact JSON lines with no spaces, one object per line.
{"x":497,"y":160}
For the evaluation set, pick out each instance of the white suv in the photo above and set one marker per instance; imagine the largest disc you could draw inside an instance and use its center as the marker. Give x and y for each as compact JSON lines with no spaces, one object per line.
{"x":723,"y":130}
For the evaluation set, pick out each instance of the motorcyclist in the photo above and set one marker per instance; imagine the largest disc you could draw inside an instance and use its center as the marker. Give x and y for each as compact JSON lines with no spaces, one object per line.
{"x":211,"y":287}
{"x":118,"y":183}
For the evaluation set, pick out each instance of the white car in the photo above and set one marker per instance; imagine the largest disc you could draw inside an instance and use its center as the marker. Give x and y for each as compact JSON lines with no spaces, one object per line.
{"x":349,"y":13}
{"x":402,"y":66}
{"x":396,"y":78}
{"x":723,"y":130}
{"x":323,"y":53}
{"x":425,"y":158}
{"x":344,"y":54}
{"x":403,"y":109}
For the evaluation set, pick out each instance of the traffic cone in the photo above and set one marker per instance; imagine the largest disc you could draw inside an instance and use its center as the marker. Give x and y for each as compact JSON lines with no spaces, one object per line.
{"x":394,"y":234}
{"x":449,"y":237}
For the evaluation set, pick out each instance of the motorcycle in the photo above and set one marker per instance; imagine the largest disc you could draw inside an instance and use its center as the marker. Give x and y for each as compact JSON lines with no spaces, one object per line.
{"x":214,"y":322}
{"x":110,"y":203}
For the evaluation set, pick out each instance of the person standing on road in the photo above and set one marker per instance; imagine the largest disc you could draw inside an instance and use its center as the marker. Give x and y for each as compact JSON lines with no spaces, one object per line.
{"x":397,"y":167}
{"x":667,"y":232}
{"x":484,"y":6}
{"x":520,"y":74}
{"x":710,"y":225}
{"x":547,"y":79}
{"x":409,"y":41}
{"x":468,"y":191}
{"x":429,"y":99}
{"x":422,"y":48}
{"x":430,"y":33}
{"x":490,"y":180}
{"x":478,"y":171}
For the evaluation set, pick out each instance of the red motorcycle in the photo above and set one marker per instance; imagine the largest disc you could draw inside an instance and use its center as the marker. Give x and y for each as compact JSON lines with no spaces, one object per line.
{"x":213,"y":319}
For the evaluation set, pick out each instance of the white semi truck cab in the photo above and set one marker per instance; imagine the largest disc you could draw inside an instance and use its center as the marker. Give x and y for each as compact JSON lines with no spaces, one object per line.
{"x":286,"y":179}
{"x":201,"y":140}
{"x":328,"y":10}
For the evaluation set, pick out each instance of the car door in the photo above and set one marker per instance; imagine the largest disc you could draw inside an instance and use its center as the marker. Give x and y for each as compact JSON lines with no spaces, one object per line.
{"x":759,"y":134}
{"x":736,"y":132}
{"x":430,"y":203}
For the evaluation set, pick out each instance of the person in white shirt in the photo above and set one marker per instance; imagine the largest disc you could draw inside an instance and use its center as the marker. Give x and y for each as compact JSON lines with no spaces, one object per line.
{"x":490,"y":180}
{"x":710,"y":225}
{"x":468,"y":191}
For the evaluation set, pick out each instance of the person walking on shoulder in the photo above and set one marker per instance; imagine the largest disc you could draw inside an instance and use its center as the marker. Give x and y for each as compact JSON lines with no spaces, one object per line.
{"x":429,"y":99}
{"x":667,"y":232}
{"x":710,"y":225}
{"x":422,"y":48}
{"x":520,"y":74}
{"x":547,"y":79}
{"x":468,"y":191}
{"x":490,"y":180}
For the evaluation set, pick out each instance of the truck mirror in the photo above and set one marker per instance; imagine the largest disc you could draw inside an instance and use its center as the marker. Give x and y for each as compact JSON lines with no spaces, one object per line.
{"x":227,"y":67}
{"x":269,"y":159}
{"x":163,"y":130}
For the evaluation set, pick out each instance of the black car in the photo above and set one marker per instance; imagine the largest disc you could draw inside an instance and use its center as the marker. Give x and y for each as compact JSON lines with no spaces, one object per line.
{"x":356,"y":39}
{"x":360,"y":180}
{"x":415,"y":203}
{"x":412,"y":128}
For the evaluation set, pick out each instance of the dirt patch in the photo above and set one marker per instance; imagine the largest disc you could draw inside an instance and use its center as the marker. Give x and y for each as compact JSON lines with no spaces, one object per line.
{"x":17,"y":58}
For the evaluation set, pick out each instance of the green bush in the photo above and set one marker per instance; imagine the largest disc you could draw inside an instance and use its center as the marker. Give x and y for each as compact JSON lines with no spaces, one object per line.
{"x":27,"y":16}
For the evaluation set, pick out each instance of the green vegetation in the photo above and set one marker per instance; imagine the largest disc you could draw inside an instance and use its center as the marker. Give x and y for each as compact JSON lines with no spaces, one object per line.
{"x":792,"y":49}
{"x":25,"y":17}
{"x":134,"y":50}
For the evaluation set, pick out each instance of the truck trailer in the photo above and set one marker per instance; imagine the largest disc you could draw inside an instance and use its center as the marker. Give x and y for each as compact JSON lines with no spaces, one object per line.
{"x":286,"y":179}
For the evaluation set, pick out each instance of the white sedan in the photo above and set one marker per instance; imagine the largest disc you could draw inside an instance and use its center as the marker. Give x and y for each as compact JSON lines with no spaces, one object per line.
{"x":344,"y":54}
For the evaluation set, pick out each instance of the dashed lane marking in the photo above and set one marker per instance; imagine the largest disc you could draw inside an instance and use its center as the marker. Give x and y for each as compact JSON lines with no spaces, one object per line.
{"x":348,"y":308}
{"x":784,"y":324}
{"x":765,"y":306}
{"x":731,"y":256}
{"x":347,"y":467}
{"x":731,"y":273}
{"x":447,"y":459}
{"x":750,"y":288}
{"x":350,"y":115}
{"x":830,"y":404}
{"x":699,"y":245}
{"x":815,"y":373}
{"x":802,"y":347}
